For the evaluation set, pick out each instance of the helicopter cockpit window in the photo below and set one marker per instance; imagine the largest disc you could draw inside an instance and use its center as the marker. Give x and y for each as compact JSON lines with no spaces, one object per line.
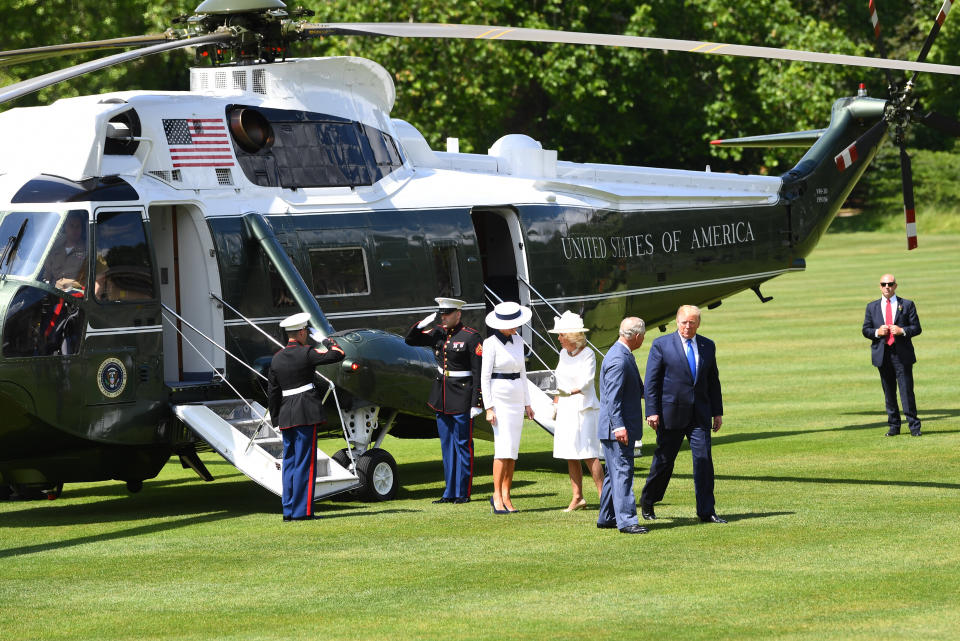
{"x":42,"y":324}
{"x":23,"y":238}
{"x":339,"y":272}
{"x":124,"y":271}
{"x":66,"y":265}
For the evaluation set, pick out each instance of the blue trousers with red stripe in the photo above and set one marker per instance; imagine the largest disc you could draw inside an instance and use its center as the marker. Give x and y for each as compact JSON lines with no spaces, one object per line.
{"x":456,"y":447}
{"x":299,"y":470}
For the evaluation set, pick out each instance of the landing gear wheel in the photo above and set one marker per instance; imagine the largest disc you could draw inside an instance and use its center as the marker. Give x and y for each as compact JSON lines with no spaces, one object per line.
{"x":134,"y":485}
{"x":342,"y":458}
{"x":378,"y":475}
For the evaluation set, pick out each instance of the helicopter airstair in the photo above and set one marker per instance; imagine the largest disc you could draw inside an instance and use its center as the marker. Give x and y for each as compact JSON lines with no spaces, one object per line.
{"x":240,"y":431}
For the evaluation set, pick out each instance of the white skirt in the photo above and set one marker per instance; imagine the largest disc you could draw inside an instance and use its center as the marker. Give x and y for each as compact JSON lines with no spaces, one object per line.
{"x":508,"y":406}
{"x":575,"y":431}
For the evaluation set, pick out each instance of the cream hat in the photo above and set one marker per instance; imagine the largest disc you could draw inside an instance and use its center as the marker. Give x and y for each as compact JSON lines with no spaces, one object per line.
{"x":568,"y":323}
{"x":508,"y":315}
{"x":295,"y":322}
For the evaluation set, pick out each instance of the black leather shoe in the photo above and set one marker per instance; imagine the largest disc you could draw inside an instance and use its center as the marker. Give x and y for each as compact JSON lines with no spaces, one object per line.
{"x":287,"y":519}
{"x":647,"y":513}
{"x":917,"y":433}
{"x":609,"y":525}
{"x":443,"y":499}
{"x":309,"y":517}
{"x":634,"y":529}
{"x":892,"y":434}
{"x":462,"y":499}
{"x":713,"y":518}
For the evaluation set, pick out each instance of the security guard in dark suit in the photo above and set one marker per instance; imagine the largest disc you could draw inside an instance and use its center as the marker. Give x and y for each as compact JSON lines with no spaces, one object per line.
{"x":455,"y":395}
{"x":296,"y":408}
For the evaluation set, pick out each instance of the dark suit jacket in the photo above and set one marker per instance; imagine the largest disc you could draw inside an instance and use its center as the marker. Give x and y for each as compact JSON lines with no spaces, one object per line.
{"x":621,"y":394}
{"x":905,"y":316}
{"x":671,"y":391}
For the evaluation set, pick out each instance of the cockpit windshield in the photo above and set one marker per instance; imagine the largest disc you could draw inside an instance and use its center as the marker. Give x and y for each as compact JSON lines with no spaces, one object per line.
{"x":24,"y":237}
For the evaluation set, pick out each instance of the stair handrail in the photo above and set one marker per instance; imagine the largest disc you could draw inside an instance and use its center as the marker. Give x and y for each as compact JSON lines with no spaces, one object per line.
{"x":554,"y":310}
{"x":491,"y":295}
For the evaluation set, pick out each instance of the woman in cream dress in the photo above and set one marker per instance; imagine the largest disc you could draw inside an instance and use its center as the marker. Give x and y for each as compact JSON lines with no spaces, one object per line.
{"x":503,"y":383}
{"x":575,"y":433}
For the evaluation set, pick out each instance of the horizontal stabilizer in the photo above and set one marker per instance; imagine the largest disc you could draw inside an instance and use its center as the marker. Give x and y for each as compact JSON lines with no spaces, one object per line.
{"x":789,"y":139}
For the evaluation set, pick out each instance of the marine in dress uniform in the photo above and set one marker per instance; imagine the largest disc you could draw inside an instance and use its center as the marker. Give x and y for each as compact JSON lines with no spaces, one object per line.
{"x":296,"y":408}
{"x":455,"y":395}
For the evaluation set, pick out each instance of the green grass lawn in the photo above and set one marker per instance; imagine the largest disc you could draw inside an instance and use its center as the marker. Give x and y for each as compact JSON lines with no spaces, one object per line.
{"x":834,"y":531}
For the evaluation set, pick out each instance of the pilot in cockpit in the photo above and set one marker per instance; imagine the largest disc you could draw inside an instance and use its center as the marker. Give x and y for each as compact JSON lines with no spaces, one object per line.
{"x":66,"y":265}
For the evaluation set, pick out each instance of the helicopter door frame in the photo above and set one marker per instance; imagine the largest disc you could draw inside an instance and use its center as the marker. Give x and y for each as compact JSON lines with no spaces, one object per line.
{"x":511,"y":232}
{"x":188,"y":275}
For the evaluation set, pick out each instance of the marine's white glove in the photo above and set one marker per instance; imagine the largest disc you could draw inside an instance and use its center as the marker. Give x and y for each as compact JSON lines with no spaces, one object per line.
{"x":315,"y":336}
{"x":475,"y":412}
{"x":426,"y":321}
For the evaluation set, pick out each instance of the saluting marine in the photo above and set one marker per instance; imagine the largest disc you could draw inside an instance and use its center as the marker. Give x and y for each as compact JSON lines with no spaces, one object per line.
{"x":455,"y":395}
{"x":296,"y":409}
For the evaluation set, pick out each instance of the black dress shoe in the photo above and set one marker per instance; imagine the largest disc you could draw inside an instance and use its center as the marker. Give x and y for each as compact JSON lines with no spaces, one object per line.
{"x":892,"y":434}
{"x":462,"y":499}
{"x":647,"y":513}
{"x":634,"y":529}
{"x":609,"y":525}
{"x":713,"y":518}
{"x":443,"y":499}
{"x":308,"y":517}
{"x":917,"y":433}
{"x":287,"y":518}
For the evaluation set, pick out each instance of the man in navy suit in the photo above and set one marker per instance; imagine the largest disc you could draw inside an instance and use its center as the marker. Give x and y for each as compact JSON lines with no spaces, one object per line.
{"x":891,"y":323}
{"x":620,"y":424}
{"x":683,"y":399}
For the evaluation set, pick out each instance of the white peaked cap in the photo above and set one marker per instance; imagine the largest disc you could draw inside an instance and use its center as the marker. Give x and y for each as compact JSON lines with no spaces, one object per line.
{"x":448,"y":305}
{"x":568,"y":323}
{"x":295,"y":322}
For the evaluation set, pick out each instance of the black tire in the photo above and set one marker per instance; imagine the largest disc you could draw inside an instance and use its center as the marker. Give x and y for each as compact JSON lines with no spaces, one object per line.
{"x":343,"y":460}
{"x":378,"y":476}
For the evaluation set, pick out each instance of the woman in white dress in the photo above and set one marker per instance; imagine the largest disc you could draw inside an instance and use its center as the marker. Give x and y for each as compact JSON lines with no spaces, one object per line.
{"x":503,"y":383}
{"x":575,"y":432}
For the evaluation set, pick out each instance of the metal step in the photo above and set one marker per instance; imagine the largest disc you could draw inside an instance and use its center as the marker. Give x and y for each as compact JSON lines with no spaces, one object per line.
{"x":227,"y":426}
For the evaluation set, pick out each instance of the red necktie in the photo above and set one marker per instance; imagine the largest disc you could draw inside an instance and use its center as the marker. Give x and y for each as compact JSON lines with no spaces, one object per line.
{"x":888,"y":319}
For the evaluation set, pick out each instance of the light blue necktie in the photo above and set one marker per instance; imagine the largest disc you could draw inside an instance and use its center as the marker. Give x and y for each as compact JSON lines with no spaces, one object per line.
{"x":691,"y":359}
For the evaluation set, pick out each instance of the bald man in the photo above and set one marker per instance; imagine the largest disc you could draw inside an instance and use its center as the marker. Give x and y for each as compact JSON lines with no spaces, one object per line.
{"x":891,"y":323}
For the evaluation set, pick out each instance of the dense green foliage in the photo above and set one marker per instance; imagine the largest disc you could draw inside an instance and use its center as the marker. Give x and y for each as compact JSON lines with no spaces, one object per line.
{"x":834,"y":532}
{"x":591,"y":104}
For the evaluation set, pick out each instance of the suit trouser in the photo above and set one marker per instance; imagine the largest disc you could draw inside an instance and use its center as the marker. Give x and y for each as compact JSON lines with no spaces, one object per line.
{"x":895,"y":373}
{"x":661,"y":468}
{"x":456,"y":447}
{"x":299,"y":470}
{"x":617,"y":501}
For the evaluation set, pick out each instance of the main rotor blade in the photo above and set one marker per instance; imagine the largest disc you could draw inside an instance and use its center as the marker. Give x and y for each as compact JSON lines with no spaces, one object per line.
{"x":17,"y":56}
{"x":875,"y":21}
{"x":484,"y":32}
{"x":941,"y":17}
{"x":17,"y":90}
{"x":909,"y":213}
{"x":941,"y":123}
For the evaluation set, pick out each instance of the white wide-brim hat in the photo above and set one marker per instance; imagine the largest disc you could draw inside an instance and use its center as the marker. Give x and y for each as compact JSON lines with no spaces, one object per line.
{"x":568,"y":323}
{"x":508,"y":315}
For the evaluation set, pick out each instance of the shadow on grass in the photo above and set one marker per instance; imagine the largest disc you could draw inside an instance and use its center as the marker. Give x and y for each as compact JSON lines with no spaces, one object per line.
{"x":828,"y":481}
{"x":669,"y":523}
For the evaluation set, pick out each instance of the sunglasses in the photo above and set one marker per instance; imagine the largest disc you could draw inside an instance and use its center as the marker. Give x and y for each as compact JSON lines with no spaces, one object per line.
{"x":887,"y":284}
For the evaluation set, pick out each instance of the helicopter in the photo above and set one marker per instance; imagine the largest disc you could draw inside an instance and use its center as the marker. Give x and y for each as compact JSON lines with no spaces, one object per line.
{"x":192,"y":222}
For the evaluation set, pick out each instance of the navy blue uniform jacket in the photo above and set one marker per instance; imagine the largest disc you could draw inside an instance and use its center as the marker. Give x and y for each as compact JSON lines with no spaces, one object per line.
{"x":905,"y":316}
{"x":293,"y":367}
{"x":621,"y":394}
{"x":671,"y":391}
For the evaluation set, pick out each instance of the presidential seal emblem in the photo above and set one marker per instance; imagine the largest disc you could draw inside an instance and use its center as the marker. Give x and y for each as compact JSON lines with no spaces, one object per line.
{"x":111,"y":377}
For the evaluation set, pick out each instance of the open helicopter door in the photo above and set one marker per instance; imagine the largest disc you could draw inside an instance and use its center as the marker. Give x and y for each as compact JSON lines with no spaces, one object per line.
{"x":503,"y":258}
{"x":188,"y":271}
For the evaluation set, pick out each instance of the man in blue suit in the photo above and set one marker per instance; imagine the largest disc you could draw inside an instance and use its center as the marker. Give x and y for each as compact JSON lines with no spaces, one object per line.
{"x":620,"y":424}
{"x":891,"y":323}
{"x":683,"y":399}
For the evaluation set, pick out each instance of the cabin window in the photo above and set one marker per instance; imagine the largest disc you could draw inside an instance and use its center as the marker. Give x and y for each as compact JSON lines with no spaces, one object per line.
{"x":339,"y":272}
{"x":124,"y":270}
{"x":447,"y":268}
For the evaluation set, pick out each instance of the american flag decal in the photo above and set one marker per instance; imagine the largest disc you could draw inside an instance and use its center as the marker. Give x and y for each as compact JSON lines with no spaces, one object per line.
{"x":198,"y":142}
{"x":846,"y":157}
